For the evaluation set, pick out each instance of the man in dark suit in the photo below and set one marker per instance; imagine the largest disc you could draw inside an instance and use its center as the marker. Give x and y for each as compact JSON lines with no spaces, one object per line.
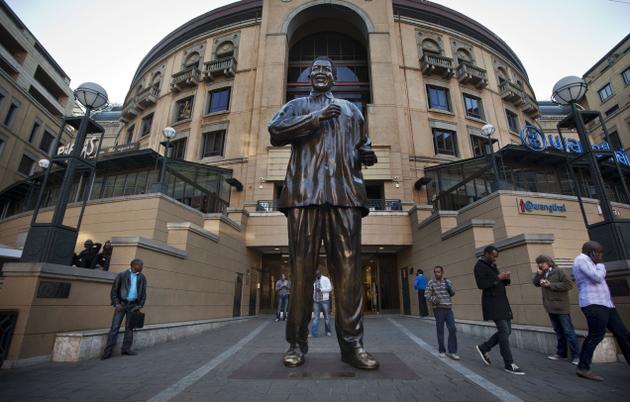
{"x":324,"y":198}
{"x":496,"y":307}
{"x":128,"y":294}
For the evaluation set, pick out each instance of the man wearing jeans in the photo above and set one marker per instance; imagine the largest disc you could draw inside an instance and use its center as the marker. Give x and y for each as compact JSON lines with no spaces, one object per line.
{"x":321,"y":303}
{"x":282,"y":292}
{"x":420,"y":285}
{"x":555,"y":286}
{"x":439,"y":292}
{"x":128,"y":294}
{"x":597,"y":306}
{"x":496,"y":307}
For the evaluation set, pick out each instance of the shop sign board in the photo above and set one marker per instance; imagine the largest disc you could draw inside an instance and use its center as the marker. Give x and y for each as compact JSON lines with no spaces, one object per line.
{"x":529,"y":207}
{"x":536,"y":140}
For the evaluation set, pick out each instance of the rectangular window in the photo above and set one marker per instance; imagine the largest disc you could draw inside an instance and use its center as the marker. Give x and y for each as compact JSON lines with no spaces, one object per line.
{"x":34,"y":131}
{"x":612,"y":110}
{"x":26,"y":165}
{"x":626,"y":76}
{"x":183,"y":108}
{"x":512,"y":120}
{"x":605,"y":93}
{"x":444,"y":142}
{"x":615,"y":142}
{"x":219,"y":100}
{"x":473,"y":105}
{"x":46,"y":142}
{"x":179,"y":148}
{"x":145,"y":126}
{"x":213,"y":143}
{"x":129,"y":137}
{"x":479,"y":145}
{"x":438,"y":98}
{"x":10,"y":116}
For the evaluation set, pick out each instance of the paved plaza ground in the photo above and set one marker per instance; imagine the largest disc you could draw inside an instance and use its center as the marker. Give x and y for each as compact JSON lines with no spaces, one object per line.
{"x":242,"y":362}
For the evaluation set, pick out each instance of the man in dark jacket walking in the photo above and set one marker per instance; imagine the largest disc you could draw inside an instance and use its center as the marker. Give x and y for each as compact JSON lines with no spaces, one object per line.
{"x":128,"y":294}
{"x":555,"y":286}
{"x":496,"y":307}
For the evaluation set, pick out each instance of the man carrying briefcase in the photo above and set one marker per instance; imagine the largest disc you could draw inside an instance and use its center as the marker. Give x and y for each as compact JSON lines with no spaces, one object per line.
{"x":128,"y":296}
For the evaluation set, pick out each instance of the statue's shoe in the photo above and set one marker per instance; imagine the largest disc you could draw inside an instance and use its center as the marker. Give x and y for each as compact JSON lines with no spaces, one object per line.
{"x":294,"y":357}
{"x":360,"y":359}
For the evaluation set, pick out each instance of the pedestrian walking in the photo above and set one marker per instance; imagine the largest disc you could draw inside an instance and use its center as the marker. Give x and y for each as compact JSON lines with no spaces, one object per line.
{"x":283,"y":289}
{"x":128,"y":295}
{"x":496,"y":307}
{"x":555,"y":286}
{"x":439,"y":292}
{"x":420,"y":285}
{"x":321,"y":303}
{"x":596,"y":304}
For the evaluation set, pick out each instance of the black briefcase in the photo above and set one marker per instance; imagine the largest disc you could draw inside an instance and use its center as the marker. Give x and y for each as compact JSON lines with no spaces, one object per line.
{"x":135,"y":319}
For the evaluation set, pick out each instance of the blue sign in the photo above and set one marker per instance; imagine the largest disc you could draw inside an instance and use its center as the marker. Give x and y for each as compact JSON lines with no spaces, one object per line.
{"x":534,"y":139}
{"x":529,"y":207}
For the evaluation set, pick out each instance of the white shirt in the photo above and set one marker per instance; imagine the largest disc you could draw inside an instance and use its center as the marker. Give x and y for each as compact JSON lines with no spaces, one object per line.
{"x":325,"y":286}
{"x":590,"y":279}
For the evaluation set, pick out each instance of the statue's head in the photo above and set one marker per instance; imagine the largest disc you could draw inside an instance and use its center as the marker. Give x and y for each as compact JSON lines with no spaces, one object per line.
{"x":323,"y":73}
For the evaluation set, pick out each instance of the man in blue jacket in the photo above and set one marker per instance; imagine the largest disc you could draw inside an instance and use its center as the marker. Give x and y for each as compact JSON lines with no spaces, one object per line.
{"x":420,"y":285}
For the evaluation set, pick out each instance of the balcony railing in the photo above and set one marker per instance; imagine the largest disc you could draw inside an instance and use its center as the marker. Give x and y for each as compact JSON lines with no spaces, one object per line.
{"x":187,"y":78}
{"x":530,"y":106}
{"x":224,"y":66}
{"x":512,"y":93}
{"x":130,"y":110}
{"x":373,"y":205}
{"x":469,"y":73}
{"x":436,"y":64}
{"x":148,"y":96}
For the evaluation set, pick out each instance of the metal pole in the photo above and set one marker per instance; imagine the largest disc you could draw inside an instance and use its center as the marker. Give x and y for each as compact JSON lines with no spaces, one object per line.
{"x":596,"y":175}
{"x":68,"y":177}
{"x":163,"y":168}
{"x":494,"y":164}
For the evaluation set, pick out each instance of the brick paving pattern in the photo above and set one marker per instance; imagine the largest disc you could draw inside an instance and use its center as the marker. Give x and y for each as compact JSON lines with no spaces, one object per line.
{"x":142,"y":377}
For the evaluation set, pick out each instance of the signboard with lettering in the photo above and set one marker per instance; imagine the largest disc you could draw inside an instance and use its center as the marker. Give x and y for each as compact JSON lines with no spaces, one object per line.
{"x":534,"y":139}
{"x":89,"y":148}
{"x":529,"y":207}
{"x":120,"y":148}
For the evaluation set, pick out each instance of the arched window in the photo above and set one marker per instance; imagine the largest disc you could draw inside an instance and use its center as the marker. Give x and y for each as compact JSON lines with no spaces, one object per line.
{"x":502,"y":75}
{"x":431,"y":46}
{"x":225,"y":49}
{"x":464,"y":56}
{"x":156,"y":80}
{"x":351,"y":61}
{"x":192,"y":60}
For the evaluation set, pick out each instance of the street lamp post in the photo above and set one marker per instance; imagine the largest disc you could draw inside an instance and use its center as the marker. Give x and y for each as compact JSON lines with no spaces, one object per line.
{"x":613,"y":233}
{"x":487,"y":130}
{"x":54,"y":242}
{"x":169,"y":133}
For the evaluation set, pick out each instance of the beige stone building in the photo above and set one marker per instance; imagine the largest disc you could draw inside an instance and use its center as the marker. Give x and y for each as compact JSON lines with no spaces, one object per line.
{"x":609,"y":93}
{"x":427,"y":79}
{"x":34,"y":95}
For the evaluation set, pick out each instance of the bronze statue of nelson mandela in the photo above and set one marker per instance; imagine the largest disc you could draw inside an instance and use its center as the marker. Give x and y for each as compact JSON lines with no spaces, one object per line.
{"x":324,"y":199}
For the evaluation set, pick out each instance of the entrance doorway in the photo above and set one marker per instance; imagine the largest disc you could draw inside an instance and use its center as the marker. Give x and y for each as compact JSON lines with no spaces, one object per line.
{"x":378,"y":275}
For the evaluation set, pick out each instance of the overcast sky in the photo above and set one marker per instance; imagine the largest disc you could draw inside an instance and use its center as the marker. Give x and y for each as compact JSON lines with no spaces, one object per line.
{"x":105,"y":40}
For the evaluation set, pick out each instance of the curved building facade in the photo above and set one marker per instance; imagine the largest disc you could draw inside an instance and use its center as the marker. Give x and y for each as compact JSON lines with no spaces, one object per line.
{"x":427,"y":79}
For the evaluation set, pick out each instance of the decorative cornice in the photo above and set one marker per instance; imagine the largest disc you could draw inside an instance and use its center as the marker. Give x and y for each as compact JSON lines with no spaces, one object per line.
{"x":193,"y":228}
{"x":148,"y":244}
{"x":473,"y":223}
{"x":519,"y":240}
{"x":435,"y":216}
{"x":223,"y":218}
{"x":57,"y":271}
